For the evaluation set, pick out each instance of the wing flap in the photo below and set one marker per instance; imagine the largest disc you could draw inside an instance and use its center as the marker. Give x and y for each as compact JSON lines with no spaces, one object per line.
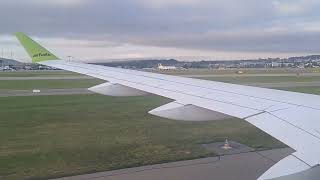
{"x":287,"y":166}
{"x":306,"y":145}
{"x":302,"y":117}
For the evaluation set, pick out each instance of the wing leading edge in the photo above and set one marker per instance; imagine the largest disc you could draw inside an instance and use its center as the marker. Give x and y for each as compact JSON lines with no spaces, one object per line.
{"x":289,"y":117}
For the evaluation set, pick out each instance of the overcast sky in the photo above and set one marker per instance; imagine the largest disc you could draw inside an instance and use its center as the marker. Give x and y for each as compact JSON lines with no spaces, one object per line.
{"x":93,"y":30}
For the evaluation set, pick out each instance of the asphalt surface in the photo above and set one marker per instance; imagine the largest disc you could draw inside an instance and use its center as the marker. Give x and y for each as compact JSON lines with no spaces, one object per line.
{"x":244,"y":166}
{"x":45,"y":78}
{"x":44,"y":92}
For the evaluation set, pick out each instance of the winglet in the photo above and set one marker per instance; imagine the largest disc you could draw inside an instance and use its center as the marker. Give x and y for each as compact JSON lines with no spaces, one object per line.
{"x":35,"y":50}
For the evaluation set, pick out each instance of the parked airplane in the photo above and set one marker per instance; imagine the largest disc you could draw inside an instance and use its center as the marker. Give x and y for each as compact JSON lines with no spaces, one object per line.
{"x":290,"y":117}
{"x":161,"y":67}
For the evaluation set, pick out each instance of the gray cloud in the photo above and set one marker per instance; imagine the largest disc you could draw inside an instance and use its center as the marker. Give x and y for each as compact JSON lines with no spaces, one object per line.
{"x":231,"y":25}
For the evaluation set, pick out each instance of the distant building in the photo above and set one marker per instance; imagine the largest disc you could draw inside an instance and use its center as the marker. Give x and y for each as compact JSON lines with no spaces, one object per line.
{"x":161,"y":67}
{"x":275,"y":64}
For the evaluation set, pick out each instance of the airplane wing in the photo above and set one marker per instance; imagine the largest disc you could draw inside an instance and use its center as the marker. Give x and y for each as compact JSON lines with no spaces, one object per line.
{"x":290,"y":117}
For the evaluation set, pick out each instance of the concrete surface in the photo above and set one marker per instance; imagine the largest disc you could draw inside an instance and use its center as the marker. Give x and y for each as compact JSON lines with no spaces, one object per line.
{"x":236,"y":148}
{"x":244,"y":166}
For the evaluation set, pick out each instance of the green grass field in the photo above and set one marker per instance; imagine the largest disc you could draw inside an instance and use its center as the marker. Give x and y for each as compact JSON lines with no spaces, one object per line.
{"x":53,"y":136}
{"x":257,"y":71}
{"x":43,"y":137}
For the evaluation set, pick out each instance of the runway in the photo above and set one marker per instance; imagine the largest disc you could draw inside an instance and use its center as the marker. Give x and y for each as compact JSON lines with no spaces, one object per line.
{"x":245,"y":166}
{"x":45,"y":78}
{"x":44,"y":92}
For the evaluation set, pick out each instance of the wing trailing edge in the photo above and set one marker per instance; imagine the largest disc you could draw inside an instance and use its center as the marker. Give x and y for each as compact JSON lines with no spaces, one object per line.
{"x":287,"y":166}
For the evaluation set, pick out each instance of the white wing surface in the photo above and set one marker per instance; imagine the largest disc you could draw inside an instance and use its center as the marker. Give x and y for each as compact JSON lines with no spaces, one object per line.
{"x":288,"y":116}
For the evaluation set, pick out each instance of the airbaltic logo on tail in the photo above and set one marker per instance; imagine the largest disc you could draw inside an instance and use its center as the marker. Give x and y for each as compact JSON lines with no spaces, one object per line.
{"x":41,"y":55}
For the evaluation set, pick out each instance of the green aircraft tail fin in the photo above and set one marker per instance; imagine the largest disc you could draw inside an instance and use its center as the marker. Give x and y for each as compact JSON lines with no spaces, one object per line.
{"x":35,"y":50}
